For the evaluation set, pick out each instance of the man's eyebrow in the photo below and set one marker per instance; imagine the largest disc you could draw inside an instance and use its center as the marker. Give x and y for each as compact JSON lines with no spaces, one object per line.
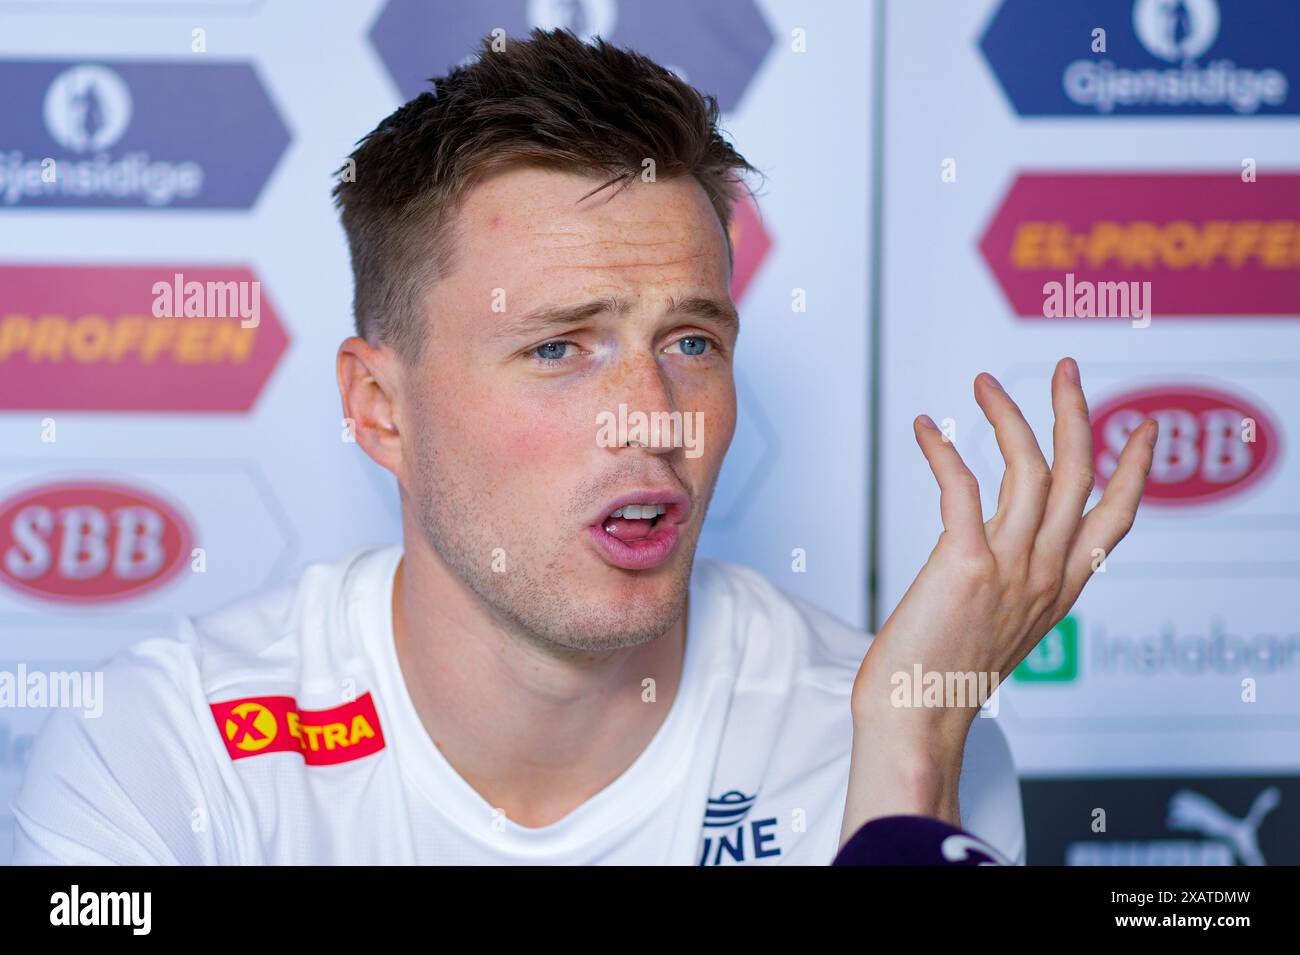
{"x":554,"y":316}
{"x":722,"y":312}
{"x":557,"y":316}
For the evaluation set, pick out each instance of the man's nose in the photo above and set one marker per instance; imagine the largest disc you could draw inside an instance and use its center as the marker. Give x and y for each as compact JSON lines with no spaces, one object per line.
{"x":643,"y":387}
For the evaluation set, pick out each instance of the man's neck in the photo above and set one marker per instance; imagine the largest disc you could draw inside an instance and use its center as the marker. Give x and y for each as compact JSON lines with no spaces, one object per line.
{"x":536,"y":731}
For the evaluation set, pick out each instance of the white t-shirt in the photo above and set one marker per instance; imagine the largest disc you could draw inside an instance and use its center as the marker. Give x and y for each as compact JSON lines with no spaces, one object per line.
{"x":280,"y":731}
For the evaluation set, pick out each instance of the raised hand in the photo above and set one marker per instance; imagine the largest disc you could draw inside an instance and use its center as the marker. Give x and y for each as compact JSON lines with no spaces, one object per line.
{"x":988,"y":593}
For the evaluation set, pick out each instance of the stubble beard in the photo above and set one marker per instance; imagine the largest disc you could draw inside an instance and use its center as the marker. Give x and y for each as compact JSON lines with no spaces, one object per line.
{"x":539,"y":595}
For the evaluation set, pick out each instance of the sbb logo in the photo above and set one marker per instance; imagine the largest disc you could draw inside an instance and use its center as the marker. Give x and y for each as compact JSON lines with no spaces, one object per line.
{"x":90,"y":542}
{"x":1211,"y":444}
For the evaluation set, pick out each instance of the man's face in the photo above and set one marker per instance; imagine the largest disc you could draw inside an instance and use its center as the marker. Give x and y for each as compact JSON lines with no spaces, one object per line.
{"x":516,"y":453}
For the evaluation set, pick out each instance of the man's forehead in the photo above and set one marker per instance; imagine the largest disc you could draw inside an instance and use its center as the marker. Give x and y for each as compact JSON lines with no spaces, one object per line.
{"x":569,"y":216}
{"x":531,"y":239}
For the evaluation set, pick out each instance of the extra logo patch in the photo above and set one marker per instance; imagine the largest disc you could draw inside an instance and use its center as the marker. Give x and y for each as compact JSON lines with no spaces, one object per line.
{"x":275,"y":724}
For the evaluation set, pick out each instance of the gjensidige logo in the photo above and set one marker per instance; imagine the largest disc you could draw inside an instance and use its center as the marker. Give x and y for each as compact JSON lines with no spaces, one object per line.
{"x":1176,"y":30}
{"x":1179,"y":32}
{"x":87,"y":108}
{"x":1150,"y":57}
{"x":135,"y":134}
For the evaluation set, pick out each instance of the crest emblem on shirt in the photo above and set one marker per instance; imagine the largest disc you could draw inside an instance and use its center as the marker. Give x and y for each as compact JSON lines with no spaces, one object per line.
{"x":730,"y":837}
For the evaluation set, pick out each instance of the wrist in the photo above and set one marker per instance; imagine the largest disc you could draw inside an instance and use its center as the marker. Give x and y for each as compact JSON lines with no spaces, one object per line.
{"x":903,"y":767}
{"x":914,"y":735}
{"x":909,"y":780}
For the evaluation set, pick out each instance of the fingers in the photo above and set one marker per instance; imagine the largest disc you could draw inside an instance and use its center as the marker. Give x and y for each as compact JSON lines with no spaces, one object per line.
{"x":1023,"y":493}
{"x":959,"y":493}
{"x":1106,"y":524}
{"x":1072,"y":470}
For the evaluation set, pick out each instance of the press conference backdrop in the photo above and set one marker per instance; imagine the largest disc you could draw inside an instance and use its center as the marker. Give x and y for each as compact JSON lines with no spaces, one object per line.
{"x":198,"y":139}
{"x":1111,"y":141}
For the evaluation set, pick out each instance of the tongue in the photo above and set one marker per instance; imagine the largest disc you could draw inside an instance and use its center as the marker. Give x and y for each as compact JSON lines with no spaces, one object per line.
{"x":626,"y":530}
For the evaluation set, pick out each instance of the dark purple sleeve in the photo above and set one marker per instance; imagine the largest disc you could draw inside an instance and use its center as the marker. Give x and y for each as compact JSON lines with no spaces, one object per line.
{"x":915,"y":840}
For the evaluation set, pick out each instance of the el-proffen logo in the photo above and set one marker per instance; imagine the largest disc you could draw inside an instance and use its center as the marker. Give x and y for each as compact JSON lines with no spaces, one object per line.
{"x":275,"y":724}
{"x":142,"y":134}
{"x":1201,"y":244}
{"x":86,"y":338}
{"x":1146,"y":57}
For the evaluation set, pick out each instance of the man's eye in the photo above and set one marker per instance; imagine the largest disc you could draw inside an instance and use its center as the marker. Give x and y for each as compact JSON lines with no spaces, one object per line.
{"x":552,"y":351}
{"x":694,"y":346}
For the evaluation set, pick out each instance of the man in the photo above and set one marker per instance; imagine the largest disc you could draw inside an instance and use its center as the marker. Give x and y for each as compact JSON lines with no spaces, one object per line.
{"x":542,"y":674}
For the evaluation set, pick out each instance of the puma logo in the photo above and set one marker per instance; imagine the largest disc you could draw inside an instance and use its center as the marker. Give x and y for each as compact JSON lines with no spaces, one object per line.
{"x":1193,"y":812}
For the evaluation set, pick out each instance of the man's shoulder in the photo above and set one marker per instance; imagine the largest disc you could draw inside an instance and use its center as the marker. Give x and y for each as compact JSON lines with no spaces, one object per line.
{"x":772,"y":625}
{"x":297,"y":631}
{"x":259,"y":643}
{"x":154,"y":742}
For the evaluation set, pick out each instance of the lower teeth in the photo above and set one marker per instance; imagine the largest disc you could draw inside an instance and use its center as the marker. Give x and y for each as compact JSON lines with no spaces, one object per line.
{"x":609,"y":525}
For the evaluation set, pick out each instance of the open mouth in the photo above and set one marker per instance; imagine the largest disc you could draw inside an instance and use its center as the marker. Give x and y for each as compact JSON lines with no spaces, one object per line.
{"x":640,"y":530}
{"x":634,"y":521}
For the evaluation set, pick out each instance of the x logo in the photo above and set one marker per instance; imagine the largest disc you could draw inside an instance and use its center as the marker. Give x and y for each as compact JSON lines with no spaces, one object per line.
{"x":250,"y":726}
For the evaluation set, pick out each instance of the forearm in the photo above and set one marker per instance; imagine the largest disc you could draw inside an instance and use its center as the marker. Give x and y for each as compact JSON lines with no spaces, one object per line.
{"x":901,"y":768}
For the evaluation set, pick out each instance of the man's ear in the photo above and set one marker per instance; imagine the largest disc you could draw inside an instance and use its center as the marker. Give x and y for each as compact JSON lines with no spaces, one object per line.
{"x":370,"y":385}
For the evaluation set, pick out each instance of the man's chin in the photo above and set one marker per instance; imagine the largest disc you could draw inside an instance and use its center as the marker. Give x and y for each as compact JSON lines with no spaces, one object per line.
{"x":611,"y":608}
{"x":623,"y":631}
